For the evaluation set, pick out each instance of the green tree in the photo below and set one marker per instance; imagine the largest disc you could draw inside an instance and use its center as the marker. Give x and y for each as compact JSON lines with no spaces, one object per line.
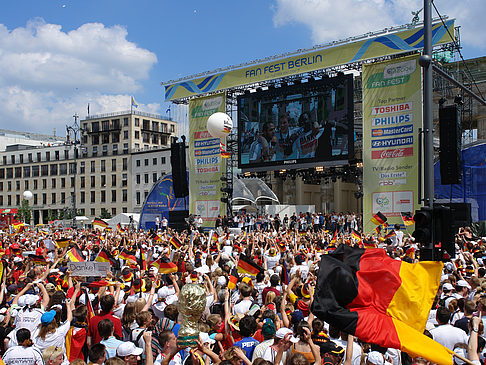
{"x":25,"y":211}
{"x":105,"y":214}
{"x":52,"y":215}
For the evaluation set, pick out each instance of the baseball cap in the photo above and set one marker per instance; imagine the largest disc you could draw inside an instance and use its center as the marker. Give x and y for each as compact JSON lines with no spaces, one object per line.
{"x":268,"y":328}
{"x":204,"y":338}
{"x":447,"y":286}
{"x":376,"y":358}
{"x":463,"y":283}
{"x":48,"y":317}
{"x":284,"y":331}
{"x":163,"y":292}
{"x":127,"y":349}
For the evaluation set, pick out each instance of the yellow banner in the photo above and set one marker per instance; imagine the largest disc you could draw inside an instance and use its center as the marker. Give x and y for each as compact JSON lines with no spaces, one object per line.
{"x":205,"y":163}
{"x":387,"y":44}
{"x":392,"y":116}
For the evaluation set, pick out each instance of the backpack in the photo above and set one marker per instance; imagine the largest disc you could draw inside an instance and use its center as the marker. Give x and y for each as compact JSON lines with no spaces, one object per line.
{"x":139,"y":336}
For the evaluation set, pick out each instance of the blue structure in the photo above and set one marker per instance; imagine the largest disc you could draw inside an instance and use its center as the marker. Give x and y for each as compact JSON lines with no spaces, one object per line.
{"x":160,"y":201}
{"x":473,"y":187}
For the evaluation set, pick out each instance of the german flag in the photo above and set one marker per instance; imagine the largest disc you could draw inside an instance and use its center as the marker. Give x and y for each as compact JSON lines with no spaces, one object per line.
{"x":89,"y":306}
{"x":174,"y":241}
{"x":62,"y":242}
{"x":282,"y":247}
{"x":225,"y":154}
{"x":99,"y":223}
{"x":233,"y":279}
{"x":378,"y":219}
{"x":390,"y":234}
{"x":75,"y":255}
{"x":38,"y":259}
{"x":105,"y":256}
{"x":334,"y":238}
{"x":166,"y":266}
{"x":369,"y":244}
{"x":142,"y":259}
{"x":248,"y":266}
{"x":410,"y":253}
{"x":378,"y":229}
{"x":284,"y":276}
{"x":127,"y":256}
{"x":215,"y":237}
{"x":407,"y":218}
{"x":156,"y":237}
{"x":380,"y":300}
{"x":357,"y":236}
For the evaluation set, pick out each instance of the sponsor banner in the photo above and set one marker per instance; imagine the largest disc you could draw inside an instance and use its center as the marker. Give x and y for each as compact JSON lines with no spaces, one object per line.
{"x":392,"y":115}
{"x":382,"y":45}
{"x":205,"y":162}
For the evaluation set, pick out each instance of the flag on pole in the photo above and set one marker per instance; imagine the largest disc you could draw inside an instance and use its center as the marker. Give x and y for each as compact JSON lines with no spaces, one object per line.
{"x":99,"y":223}
{"x":378,"y":218}
{"x":285,"y":274}
{"x":248,"y":266}
{"x":390,"y":234}
{"x":384,"y":301}
{"x":357,"y":236}
{"x":38,"y":259}
{"x":407,"y":218}
{"x":62,"y":242}
{"x":174,"y":241}
{"x":134,"y":103}
{"x":334,"y":238}
{"x":166,"y":266}
{"x":75,"y":255}
{"x":233,"y":279}
{"x":105,"y":256}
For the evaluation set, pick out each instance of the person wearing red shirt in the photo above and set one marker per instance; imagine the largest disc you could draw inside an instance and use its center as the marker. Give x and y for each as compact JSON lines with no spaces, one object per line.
{"x":107,"y":302}
{"x":274,"y":280}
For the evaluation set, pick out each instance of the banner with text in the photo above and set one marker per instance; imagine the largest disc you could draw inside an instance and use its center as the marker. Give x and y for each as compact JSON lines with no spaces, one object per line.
{"x":335,"y":55}
{"x":392,"y":116}
{"x":205,"y":163}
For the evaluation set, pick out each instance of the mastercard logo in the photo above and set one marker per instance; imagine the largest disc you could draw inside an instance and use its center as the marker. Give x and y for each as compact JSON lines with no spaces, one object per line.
{"x":377,"y":132}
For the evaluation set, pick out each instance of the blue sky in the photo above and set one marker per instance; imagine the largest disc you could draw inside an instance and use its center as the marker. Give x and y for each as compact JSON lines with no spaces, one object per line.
{"x":56,"y":56}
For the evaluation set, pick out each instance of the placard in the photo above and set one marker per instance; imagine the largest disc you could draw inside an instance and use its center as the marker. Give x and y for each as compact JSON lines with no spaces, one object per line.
{"x":89,"y":268}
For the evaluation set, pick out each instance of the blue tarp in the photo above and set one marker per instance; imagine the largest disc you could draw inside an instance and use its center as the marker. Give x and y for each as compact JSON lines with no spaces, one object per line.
{"x":473,"y":187}
{"x":159,"y":202}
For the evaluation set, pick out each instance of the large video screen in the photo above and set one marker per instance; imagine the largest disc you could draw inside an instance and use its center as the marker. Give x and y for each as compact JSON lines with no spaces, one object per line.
{"x":296,"y":126}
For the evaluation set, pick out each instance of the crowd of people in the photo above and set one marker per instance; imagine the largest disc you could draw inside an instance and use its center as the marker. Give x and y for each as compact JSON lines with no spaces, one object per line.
{"x":50,"y":316}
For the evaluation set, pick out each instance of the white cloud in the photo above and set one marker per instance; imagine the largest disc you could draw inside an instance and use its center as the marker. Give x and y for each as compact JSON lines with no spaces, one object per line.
{"x":332,"y":20}
{"x":47,"y":74}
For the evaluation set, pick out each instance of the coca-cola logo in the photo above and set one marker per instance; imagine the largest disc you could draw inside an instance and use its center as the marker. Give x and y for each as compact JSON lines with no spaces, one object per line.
{"x":393,"y":153}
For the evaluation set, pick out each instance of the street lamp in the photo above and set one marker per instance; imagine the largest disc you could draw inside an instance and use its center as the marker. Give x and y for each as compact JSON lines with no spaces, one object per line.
{"x":74,"y":131}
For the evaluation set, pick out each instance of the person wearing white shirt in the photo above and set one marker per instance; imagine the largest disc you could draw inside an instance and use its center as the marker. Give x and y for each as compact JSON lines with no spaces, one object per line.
{"x":24,"y":353}
{"x":397,"y":239}
{"x":445,"y":334}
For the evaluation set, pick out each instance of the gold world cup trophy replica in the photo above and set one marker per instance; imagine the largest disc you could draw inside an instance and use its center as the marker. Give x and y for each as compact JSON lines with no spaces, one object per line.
{"x":192,"y":301}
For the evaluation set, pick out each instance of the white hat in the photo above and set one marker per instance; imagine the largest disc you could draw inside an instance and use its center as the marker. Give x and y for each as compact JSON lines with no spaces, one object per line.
{"x":376,"y":358}
{"x":204,"y":269}
{"x":221,"y":281}
{"x":17,"y":259}
{"x":284,"y":331}
{"x":30,"y":299}
{"x":163,"y":292}
{"x":464,"y":284}
{"x":204,"y":338}
{"x":449,"y":266}
{"x":127,"y":349}
{"x":447,"y":286}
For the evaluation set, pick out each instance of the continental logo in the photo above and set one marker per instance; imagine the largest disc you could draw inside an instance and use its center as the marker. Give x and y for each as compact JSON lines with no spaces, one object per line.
{"x":392,"y":142}
{"x":392,"y":131}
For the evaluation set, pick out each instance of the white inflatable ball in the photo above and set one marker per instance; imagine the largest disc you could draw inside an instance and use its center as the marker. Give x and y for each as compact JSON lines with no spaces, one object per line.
{"x":219,"y":125}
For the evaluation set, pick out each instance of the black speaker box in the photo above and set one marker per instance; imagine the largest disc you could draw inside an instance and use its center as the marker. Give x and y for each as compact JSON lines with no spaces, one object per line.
{"x":450,"y":145}
{"x":178,"y":165}
{"x":177,"y":219}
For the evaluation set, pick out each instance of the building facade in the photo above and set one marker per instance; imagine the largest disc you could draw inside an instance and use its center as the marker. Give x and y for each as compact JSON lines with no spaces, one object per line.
{"x":97,"y":175}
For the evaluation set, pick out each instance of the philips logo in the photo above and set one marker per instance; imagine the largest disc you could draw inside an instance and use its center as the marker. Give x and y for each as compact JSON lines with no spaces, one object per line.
{"x":393,"y":119}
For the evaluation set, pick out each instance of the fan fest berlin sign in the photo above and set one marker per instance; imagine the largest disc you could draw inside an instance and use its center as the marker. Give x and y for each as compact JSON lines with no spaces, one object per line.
{"x":392,"y":116}
{"x":386,"y":44}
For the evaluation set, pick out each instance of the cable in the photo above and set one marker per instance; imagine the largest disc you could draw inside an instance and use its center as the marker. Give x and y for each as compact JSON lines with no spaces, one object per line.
{"x":470,"y":76}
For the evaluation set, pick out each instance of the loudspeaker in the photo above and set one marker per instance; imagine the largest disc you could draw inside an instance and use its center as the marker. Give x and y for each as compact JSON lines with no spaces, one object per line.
{"x":450,"y":145}
{"x":461,"y":213}
{"x":178,"y":165}
{"x":177,"y":219}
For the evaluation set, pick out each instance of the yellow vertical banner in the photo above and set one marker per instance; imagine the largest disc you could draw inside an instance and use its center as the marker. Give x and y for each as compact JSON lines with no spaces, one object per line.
{"x":392,"y":116}
{"x":205,"y":163}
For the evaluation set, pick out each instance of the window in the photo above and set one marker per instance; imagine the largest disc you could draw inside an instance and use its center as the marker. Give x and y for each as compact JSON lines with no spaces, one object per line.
{"x":21,"y":157}
{"x":138,"y":178}
{"x":95,"y":127}
{"x":125,"y":134}
{"x":53,"y":183}
{"x":26,"y":185}
{"x":103,"y":196}
{"x":115,"y":149}
{"x":137,"y":135}
{"x":124,"y":195}
{"x":138,"y":197}
{"x":146,"y":178}
{"x":4,"y":160}
{"x":146,"y":162}
{"x":113,"y":196}
{"x":145,"y":193}
{"x":63,"y":197}
{"x":82,"y":167}
{"x":125,"y":122}
{"x":93,"y":212}
{"x":103,"y":180}
{"x":44,"y":198}
{"x":38,"y":156}
{"x":26,"y":171}
{"x":172,"y":128}
{"x":113,"y":180}
{"x":146,"y":137}
{"x":154,"y":177}
{"x":29,"y":157}
{"x":48,"y":156}
{"x":18,"y":172}
{"x":105,"y":138}
{"x":53,"y":198}
{"x":105,"y":149}
{"x":138,"y":163}
{"x":124,"y":180}
{"x":125,"y":210}
{"x":44,"y":170}
{"x":154,"y":161}
{"x":83,"y":182}
{"x":63,"y":169}
{"x":12,"y":159}
{"x":155,"y":126}
{"x":56,"y":155}
{"x":92,"y":196}
{"x":63,"y":182}
{"x":1,"y":200}
{"x":44,"y":183}
{"x":54,"y":170}
{"x":164,"y":127}
{"x":9,"y":172}
{"x":113,"y":164}
{"x":105,"y":125}
{"x":17,"y":185}
{"x":83,"y":199}
{"x":103,"y":166}
{"x":137,"y":122}
{"x":125,"y":148}
{"x":35,"y":199}
{"x":155,"y":139}
{"x":137,"y":146}
{"x":146,"y":124}
{"x":72,"y":168}
{"x":95,"y":150}
{"x":17,"y":199}
{"x":115,"y":137}
{"x":93,"y":166}
{"x":125,"y":164}
{"x":163,"y":140}
{"x":2,"y":173}
{"x":66,"y":154}
{"x":72,"y":182}
{"x":35,"y":184}
{"x":93,"y":181}
{"x":9,"y":185}
{"x":9,"y":200}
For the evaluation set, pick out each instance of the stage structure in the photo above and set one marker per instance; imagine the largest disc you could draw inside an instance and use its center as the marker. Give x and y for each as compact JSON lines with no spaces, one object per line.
{"x":299,"y":113}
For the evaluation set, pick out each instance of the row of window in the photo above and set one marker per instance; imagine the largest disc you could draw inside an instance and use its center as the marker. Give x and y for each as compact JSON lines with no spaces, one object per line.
{"x":154,"y":161}
{"x":145,"y":178}
{"x":106,"y":125}
{"x":56,"y":155}
{"x":55,"y":169}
